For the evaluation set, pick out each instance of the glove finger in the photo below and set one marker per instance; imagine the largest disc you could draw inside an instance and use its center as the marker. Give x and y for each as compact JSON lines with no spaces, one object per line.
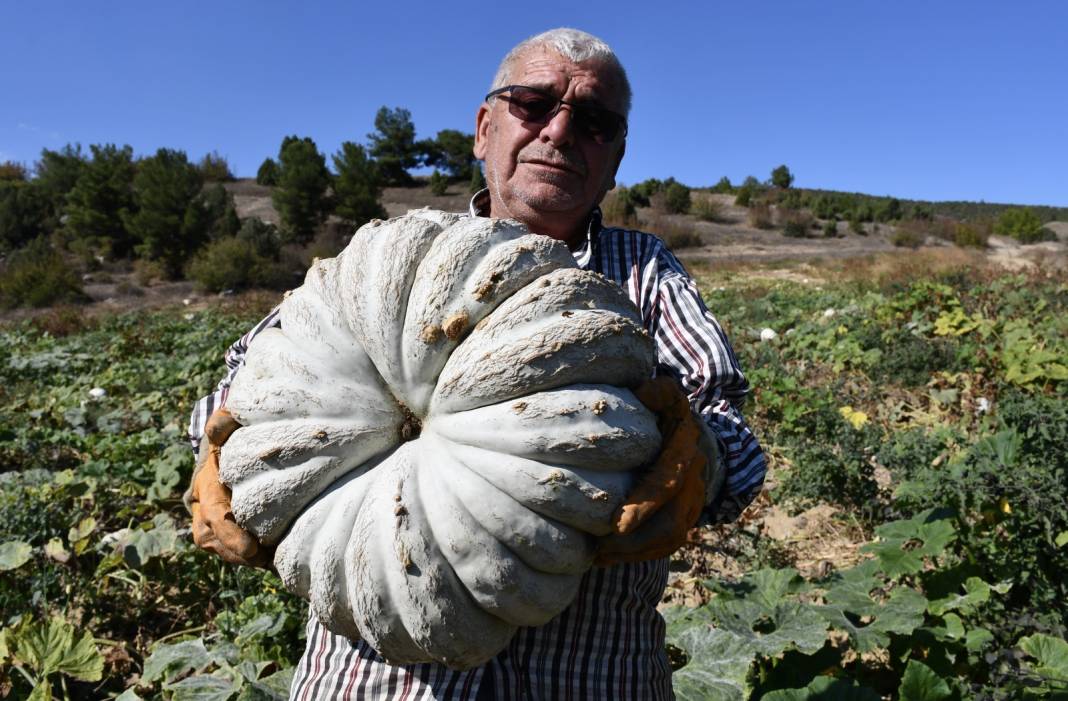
{"x":219,"y":427}
{"x":659,"y":394}
{"x":234,"y":538}
{"x":632,"y":546}
{"x":661,"y":484}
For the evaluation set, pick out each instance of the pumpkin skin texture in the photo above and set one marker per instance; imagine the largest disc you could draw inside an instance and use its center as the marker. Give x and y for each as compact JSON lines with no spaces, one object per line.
{"x":438,"y":431}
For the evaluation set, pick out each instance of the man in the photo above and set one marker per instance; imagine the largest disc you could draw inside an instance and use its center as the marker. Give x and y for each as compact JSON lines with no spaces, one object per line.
{"x":552,"y":134}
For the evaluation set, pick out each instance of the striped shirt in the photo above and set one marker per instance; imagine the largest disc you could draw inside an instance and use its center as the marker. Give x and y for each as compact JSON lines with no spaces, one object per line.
{"x":610,"y":642}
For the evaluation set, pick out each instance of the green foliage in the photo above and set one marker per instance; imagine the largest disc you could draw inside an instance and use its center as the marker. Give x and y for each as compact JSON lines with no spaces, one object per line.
{"x":830,"y":229}
{"x":38,"y":276}
{"x":267,"y":174}
{"x":393,"y":145}
{"x":219,"y":211}
{"x":300,"y":196}
{"x":675,"y":198}
{"x":723,"y":186}
{"x":214,"y":168}
{"x":169,"y":222}
{"x":478,"y":180}
{"x":970,"y":235}
{"x":438,"y":183}
{"x":744,"y":197}
{"x":452,"y":151}
{"x":759,"y":216}
{"x":46,"y":651}
{"x":1022,"y":224}
{"x":795,"y":224}
{"x":10,"y":171}
{"x":101,"y":197}
{"x":265,"y":239}
{"x":706,"y":208}
{"x":642,"y":193}
{"x":906,"y":238}
{"x":617,"y":209}
{"x":236,"y":263}
{"x":356,"y":186}
{"x":24,"y":213}
{"x":782,"y":178}
{"x":55,"y":175}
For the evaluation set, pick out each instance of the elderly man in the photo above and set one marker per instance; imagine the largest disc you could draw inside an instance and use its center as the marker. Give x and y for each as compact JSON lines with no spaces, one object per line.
{"x":552,"y":133}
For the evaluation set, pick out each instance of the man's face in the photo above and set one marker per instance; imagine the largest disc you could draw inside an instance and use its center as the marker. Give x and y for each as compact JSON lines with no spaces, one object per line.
{"x":549,"y":176}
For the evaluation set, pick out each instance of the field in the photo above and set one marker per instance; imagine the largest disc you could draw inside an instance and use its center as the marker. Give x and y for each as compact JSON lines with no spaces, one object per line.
{"x":912,"y":542}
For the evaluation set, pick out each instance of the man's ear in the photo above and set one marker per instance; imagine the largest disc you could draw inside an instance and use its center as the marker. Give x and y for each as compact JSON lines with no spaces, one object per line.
{"x":482,"y":123}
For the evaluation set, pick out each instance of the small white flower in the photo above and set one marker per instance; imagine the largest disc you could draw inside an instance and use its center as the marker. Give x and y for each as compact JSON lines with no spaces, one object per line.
{"x":983,"y":405}
{"x":187,"y":301}
{"x":98,"y":393}
{"x":829,"y":312}
{"x":768,"y":335}
{"x":188,"y":317}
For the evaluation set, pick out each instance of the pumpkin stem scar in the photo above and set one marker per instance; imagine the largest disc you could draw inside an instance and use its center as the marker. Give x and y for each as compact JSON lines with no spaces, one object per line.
{"x":411,"y":426}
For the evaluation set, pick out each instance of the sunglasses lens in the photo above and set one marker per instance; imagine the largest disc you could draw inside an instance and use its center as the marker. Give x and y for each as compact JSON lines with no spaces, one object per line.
{"x":531,"y":105}
{"x":600,"y":125}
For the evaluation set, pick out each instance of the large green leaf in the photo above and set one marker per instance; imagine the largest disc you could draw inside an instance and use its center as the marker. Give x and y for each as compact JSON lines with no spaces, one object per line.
{"x":719,"y":661}
{"x":857,"y":605}
{"x":1052,"y":661}
{"x":766,"y":587}
{"x":920,"y":683}
{"x":143,"y":545}
{"x":976,"y":593}
{"x":52,"y":647}
{"x":205,"y":687}
{"x":903,"y":545}
{"x":824,"y":689}
{"x":14,"y":554}
{"x":169,"y":661}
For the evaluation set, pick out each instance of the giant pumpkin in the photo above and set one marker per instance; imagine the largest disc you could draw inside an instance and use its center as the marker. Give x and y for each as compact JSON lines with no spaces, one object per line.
{"x":438,"y":432}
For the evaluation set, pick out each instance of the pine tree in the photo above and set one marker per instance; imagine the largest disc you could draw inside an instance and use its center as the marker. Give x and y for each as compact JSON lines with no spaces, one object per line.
{"x":438,"y":183}
{"x":782,"y":178}
{"x":300,"y":196}
{"x":356,"y":189}
{"x":171,"y":221}
{"x":478,"y":181}
{"x":268,"y":173}
{"x":393,"y":145}
{"x":102,"y":194}
{"x":452,"y":151}
{"x":56,"y":175}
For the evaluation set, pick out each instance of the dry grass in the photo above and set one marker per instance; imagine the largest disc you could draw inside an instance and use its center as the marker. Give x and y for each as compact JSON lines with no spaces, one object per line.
{"x":675,"y":233}
{"x":759,"y":216}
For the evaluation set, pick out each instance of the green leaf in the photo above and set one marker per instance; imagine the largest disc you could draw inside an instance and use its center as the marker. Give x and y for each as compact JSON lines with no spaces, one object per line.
{"x":824,"y":689}
{"x":169,"y":661}
{"x":903,"y":545}
{"x":78,"y":536}
{"x":920,"y":683}
{"x":143,"y":545}
{"x":128,"y":695}
{"x":204,"y":687}
{"x":51,"y":647}
{"x":14,"y":554}
{"x":976,"y":592}
{"x":850,"y":606}
{"x":41,"y":692}
{"x":1061,"y":540}
{"x":55,"y":550}
{"x":719,"y":661}
{"x":977,"y":638}
{"x":1052,"y":656}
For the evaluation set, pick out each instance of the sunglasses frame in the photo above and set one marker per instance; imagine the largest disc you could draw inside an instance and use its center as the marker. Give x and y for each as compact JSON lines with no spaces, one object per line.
{"x":579,"y":111}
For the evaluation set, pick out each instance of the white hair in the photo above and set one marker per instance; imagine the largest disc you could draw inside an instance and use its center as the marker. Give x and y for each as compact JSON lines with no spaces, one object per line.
{"x":573,"y":44}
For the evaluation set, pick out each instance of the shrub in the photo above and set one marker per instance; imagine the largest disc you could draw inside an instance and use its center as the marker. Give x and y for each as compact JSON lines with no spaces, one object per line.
{"x":723,"y":186}
{"x":970,"y":235}
{"x":794,"y":223}
{"x":782,"y":178}
{"x":676,"y":235}
{"x":1022,"y":224}
{"x":264,"y":237}
{"x":233,"y":264}
{"x":267,"y":173}
{"x":830,"y":229}
{"x":643,"y":192}
{"x":10,"y":170}
{"x":759,"y":216}
{"x":300,"y":197}
{"x":706,"y":208}
{"x":617,"y":209}
{"x":857,"y":227}
{"x":214,"y":168}
{"x":904,"y":237}
{"x":38,"y":276}
{"x":743,"y":197}
{"x":439,"y":184}
{"x":23,"y":213}
{"x":676,"y":198}
{"x":356,"y":186}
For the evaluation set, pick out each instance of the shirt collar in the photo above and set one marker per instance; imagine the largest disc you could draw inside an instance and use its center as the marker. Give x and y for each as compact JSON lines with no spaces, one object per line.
{"x":479,"y":206}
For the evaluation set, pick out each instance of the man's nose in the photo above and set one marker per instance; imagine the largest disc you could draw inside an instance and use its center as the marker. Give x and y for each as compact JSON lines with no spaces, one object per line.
{"x":559,"y":130}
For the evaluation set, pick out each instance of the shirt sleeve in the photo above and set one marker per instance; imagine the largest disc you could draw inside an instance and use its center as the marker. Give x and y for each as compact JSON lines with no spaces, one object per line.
{"x":235,"y":360}
{"x":692,"y":348}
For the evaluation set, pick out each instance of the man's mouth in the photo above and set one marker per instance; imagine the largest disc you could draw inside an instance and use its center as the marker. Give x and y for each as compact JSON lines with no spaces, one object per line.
{"x":555,"y":165}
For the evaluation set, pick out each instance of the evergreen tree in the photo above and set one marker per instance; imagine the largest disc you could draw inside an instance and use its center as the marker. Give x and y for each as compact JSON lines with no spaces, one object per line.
{"x":393,"y":145}
{"x":171,"y":221}
{"x":214,"y":168}
{"x":222,"y":214}
{"x":452,"y":151}
{"x":12,"y":171}
{"x":438,"y":183}
{"x":300,"y":196}
{"x":56,"y":174}
{"x":782,"y":178}
{"x":23,"y":213}
{"x":356,"y":189}
{"x":268,"y":173}
{"x":102,"y":194}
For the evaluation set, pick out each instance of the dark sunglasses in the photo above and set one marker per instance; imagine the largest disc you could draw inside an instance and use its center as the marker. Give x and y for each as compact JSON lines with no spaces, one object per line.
{"x":538,"y":106}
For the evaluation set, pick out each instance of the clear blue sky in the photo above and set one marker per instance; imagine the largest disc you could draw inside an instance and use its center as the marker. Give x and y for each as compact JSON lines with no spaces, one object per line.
{"x":930,"y":100}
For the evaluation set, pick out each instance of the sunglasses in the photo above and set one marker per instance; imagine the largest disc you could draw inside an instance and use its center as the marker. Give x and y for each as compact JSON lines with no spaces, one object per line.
{"x":538,"y":106}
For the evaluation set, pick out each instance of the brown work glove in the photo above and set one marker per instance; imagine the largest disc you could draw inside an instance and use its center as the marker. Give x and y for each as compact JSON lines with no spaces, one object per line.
{"x":665,"y":503}
{"x":214,"y":527}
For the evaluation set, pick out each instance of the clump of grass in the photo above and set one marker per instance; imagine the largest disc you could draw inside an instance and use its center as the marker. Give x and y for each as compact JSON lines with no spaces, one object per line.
{"x":759,"y":216}
{"x":675,"y":234}
{"x":38,"y":276}
{"x":705,"y":208}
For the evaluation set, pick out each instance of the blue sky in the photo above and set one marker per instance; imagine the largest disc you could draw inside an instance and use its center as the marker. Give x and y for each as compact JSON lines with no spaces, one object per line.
{"x":930,"y":100}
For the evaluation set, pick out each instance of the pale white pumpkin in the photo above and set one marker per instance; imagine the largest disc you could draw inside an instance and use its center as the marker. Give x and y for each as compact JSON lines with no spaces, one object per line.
{"x":438,"y":431}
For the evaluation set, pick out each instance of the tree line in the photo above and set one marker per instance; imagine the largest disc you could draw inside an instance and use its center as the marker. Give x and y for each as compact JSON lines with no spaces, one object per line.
{"x":175,"y":214}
